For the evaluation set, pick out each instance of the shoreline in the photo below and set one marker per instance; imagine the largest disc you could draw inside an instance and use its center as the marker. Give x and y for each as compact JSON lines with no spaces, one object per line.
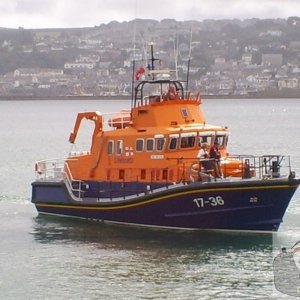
{"x":259,"y":95}
{"x":37,"y":98}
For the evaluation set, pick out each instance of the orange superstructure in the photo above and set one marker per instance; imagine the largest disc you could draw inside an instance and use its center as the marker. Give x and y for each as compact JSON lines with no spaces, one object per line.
{"x":158,"y":143}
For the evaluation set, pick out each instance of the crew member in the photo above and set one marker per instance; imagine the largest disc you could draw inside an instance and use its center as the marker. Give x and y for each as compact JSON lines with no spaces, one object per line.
{"x":215,"y":156}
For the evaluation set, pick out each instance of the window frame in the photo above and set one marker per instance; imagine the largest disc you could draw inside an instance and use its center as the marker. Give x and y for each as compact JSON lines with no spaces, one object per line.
{"x":110,"y":147}
{"x":208,"y":135}
{"x":120,"y":147}
{"x":184,"y":112}
{"x":171,"y":138}
{"x":157,"y":141}
{"x":137,"y":149}
{"x":187,"y":136}
{"x":153,"y":144}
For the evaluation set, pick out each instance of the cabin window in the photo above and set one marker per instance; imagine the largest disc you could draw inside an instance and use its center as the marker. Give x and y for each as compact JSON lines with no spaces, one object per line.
{"x":110,"y":147}
{"x":139,"y":146}
{"x":226,"y":141}
{"x":184,"y":142}
{"x":150,"y":144}
{"x":173,"y":143}
{"x":119,"y":147}
{"x":205,"y":137}
{"x":184,"y":112}
{"x":221,"y":140}
{"x":160,"y":142}
{"x":188,"y":140}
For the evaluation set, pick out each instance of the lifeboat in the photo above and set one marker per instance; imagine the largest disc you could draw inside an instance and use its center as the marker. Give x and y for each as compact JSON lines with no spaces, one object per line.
{"x":120,"y":119}
{"x":161,"y":164}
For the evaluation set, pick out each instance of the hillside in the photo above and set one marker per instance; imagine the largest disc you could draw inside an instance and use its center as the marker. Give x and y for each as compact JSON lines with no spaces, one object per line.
{"x":225,"y":54}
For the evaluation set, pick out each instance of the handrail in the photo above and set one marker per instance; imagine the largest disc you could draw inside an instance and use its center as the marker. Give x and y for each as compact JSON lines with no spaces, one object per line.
{"x":69,"y":180}
{"x":58,"y":170}
{"x":250,"y":167}
{"x":49,"y":169}
{"x":262,"y":167}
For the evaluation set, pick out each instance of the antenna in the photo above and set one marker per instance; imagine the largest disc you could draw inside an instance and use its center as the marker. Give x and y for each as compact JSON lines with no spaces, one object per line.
{"x":134,"y":29}
{"x":176,"y":54}
{"x":153,"y":59}
{"x":132,"y":83}
{"x":191,"y":39}
{"x":189,"y":60}
{"x":190,"y":50}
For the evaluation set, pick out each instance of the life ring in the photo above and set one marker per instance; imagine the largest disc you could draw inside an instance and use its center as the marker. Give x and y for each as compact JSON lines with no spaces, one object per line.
{"x":194,"y":171}
{"x":139,"y":73}
{"x":194,"y":167}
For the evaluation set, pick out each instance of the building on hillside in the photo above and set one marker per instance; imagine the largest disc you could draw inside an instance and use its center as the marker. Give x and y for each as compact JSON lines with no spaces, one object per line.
{"x":38,"y":72}
{"x":273,"y":60}
{"x":288,"y":83}
{"x":79,"y":65}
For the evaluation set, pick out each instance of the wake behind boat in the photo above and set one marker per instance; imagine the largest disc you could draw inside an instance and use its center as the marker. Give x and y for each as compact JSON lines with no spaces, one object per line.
{"x":146,"y":167}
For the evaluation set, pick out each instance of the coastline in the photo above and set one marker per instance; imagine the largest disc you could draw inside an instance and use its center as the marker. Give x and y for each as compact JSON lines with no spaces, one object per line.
{"x":276,"y":94}
{"x":20,"y":97}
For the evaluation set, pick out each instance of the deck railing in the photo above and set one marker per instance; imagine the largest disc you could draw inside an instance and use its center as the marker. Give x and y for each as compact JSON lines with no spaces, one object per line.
{"x":261,"y":167}
{"x":234,"y":166}
{"x":250,"y":167}
{"x":50,"y":169}
{"x":58,"y":170}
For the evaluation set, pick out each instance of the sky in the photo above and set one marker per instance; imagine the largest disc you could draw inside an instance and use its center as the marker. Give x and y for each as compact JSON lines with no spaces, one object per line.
{"x":88,"y":13}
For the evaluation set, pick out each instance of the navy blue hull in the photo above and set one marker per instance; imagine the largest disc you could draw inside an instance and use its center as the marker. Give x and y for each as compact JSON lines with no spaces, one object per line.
{"x":253,"y":205}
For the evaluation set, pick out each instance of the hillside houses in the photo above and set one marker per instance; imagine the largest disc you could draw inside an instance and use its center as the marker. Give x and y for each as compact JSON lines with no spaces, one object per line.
{"x":228,"y":57}
{"x":83,"y":62}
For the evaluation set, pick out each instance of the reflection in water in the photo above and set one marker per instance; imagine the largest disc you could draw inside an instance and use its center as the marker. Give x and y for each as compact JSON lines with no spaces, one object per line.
{"x":129,"y":262}
{"x":49,"y":229}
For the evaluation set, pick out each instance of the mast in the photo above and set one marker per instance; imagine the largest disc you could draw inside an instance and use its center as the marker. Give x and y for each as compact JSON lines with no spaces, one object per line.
{"x":152,"y":59}
{"x":188,"y":75}
{"x":176,"y":55}
{"x":132,"y":83}
{"x":189,"y":61}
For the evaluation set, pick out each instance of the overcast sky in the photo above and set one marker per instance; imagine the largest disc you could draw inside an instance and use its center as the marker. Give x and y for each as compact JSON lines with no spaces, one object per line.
{"x":87,"y":13}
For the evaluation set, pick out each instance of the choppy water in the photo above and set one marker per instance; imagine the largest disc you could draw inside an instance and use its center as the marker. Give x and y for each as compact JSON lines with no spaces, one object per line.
{"x":56,"y":258}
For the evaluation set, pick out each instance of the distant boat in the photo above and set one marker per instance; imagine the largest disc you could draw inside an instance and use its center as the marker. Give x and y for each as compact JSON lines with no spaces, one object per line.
{"x":144,"y":169}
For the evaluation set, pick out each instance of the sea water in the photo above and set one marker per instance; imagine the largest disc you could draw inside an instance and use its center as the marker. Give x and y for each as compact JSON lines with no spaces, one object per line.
{"x":59,"y":258}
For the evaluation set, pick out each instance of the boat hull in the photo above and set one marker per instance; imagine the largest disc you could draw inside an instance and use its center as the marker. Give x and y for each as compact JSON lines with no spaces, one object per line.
{"x":244,"y":205}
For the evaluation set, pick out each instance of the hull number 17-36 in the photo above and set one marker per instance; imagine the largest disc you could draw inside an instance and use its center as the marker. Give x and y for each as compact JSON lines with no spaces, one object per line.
{"x":210,"y":201}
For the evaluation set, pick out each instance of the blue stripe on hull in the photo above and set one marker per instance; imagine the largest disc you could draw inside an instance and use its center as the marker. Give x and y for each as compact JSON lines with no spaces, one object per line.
{"x":234,"y":208}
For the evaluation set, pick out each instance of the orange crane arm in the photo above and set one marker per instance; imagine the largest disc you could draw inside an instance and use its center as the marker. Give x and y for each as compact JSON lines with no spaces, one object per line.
{"x":94,"y":116}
